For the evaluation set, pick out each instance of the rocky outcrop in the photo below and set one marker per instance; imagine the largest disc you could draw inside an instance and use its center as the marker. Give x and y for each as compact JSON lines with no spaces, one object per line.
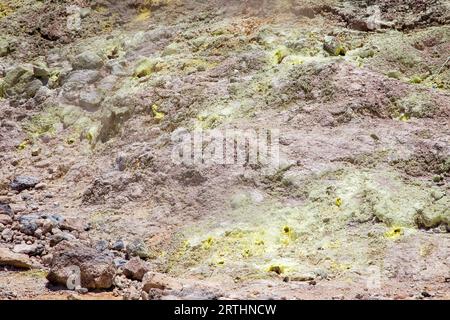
{"x":13,"y":259}
{"x":96,"y":269}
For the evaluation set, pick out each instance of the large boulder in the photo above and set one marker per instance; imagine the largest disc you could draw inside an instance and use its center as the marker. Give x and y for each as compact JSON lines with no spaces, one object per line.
{"x":12,"y":259}
{"x":96,"y":268}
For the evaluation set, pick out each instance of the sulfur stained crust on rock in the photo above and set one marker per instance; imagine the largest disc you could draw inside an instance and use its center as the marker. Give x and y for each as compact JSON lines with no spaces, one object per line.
{"x":254,"y":236}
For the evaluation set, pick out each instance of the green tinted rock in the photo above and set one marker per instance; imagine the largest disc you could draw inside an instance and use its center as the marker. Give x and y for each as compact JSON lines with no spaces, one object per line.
{"x":87,"y":60}
{"x":41,"y":71}
{"x":394,"y":74}
{"x":17,"y":74}
{"x":144,"y":68}
{"x":417,"y":105}
{"x":2,"y":88}
{"x":334,"y":47}
{"x":17,"y":80}
{"x":4,"y":47}
{"x":32,"y":88}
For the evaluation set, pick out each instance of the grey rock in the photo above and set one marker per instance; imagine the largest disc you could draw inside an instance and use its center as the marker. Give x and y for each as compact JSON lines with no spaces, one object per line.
{"x":87,"y":60}
{"x":121,"y":162}
{"x":6,"y":209}
{"x":101,"y":245}
{"x":4,"y":47}
{"x":32,"y":88}
{"x":82,"y":77}
{"x":91,"y":99}
{"x":119,"y":262}
{"x":29,"y":249}
{"x":118,"y":69}
{"x":107,"y":84}
{"x":7,"y":235}
{"x":43,"y":94}
{"x":132,"y":294}
{"x":59,"y":237}
{"x":84,"y":12}
{"x":298,"y":44}
{"x":137,"y":248}
{"x":45,"y":221}
{"x":121,"y":282}
{"x":21,"y":183}
{"x":29,"y":224}
{"x":81,"y":290}
{"x":54,"y":218}
{"x":119,"y":245}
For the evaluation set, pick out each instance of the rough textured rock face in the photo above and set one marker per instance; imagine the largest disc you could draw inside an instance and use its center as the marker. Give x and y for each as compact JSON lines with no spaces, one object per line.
{"x":135,"y":269}
{"x":160,"y":281}
{"x":6,"y":209}
{"x":24,"y":182}
{"x":14,"y":259}
{"x":96,"y":269}
{"x":96,"y":98}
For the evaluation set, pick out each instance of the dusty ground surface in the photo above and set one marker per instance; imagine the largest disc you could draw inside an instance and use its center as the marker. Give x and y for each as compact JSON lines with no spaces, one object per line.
{"x":358,"y":206}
